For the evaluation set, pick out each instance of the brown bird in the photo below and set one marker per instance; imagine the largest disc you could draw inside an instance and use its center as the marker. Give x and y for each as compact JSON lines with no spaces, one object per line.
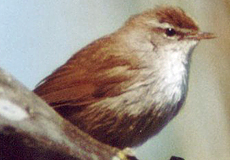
{"x":125,"y":87}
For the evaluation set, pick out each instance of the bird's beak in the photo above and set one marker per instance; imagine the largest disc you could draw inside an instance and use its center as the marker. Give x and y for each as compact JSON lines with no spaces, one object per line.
{"x":201,"y":35}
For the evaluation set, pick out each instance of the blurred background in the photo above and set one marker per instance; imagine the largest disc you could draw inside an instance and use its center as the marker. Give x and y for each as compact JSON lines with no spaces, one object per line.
{"x":38,"y":36}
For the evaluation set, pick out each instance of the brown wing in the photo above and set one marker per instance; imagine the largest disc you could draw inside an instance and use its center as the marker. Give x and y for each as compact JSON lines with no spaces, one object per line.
{"x":97,"y":71}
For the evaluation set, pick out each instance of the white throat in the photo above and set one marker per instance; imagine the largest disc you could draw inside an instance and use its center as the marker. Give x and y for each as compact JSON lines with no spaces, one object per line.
{"x":172,"y":73}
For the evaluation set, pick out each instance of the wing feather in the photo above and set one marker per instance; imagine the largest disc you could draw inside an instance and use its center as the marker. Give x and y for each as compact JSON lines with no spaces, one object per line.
{"x":96,"y":72}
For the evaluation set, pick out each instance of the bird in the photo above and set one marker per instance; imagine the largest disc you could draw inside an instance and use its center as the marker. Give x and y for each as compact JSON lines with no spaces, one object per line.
{"x":125,"y":87}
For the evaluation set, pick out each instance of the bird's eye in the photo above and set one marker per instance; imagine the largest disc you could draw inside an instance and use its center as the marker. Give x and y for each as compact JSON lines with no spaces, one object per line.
{"x":170,"y":32}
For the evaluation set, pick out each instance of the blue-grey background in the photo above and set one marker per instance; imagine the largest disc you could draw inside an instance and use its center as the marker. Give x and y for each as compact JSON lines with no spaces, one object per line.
{"x":38,"y":36}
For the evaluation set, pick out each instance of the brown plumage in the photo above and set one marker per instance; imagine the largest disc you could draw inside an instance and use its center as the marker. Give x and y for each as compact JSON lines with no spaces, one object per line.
{"x":176,"y":17}
{"x":166,"y":14}
{"x":78,"y":80}
{"x":118,"y":88}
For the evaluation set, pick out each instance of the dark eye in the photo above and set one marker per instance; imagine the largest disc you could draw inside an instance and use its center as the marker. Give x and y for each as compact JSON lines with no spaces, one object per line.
{"x":170,"y":32}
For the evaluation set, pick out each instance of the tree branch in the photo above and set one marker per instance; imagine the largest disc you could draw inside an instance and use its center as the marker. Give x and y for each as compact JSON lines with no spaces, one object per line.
{"x":30,"y":129}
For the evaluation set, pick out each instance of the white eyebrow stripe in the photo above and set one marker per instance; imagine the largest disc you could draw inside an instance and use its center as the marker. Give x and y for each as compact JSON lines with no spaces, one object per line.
{"x":167,"y":25}
{"x":160,"y":25}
